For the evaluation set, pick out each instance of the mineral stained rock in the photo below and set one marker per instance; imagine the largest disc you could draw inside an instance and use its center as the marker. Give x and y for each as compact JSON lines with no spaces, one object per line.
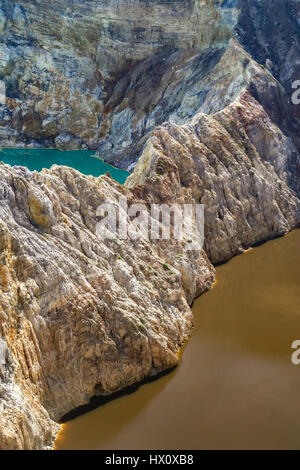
{"x":77,"y":72}
{"x":237,"y":162}
{"x":80,"y":317}
{"x":210,"y":118}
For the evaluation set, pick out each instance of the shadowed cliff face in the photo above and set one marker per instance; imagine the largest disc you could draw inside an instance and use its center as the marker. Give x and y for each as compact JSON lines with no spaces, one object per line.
{"x":76,"y":73}
{"x":237,"y":162}
{"x":80,"y":316}
{"x":263,"y":25}
{"x":102,"y":75}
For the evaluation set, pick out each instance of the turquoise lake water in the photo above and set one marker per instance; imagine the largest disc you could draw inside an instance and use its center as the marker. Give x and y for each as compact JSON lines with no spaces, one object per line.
{"x":81,"y":160}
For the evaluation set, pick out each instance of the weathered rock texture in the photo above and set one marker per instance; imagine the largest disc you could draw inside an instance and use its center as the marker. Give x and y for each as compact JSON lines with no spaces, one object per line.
{"x":76,"y":73}
{"x":269,"y":31}
{"x":81,"y":317}
{"x":235,"y":162}
{"x":102,"y":75}
{"x":78,"y":316}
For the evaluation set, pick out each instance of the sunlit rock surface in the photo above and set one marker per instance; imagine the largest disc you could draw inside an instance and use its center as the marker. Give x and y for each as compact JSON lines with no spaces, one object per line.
{"x":78,"y":72}
{"x":81,"y":317}
{"x":102,"y":75}
{"x":213,"y":122}
{"x":235,"y":162}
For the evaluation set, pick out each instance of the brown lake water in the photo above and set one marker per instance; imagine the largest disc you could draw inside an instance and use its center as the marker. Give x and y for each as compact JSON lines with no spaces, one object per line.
{"x":235,"y":386}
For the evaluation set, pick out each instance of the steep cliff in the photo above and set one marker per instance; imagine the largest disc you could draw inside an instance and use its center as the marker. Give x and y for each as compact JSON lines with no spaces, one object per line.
{"x":269,"y":31}
{"x":163,"y":80}
{"x":76,"y":73}
{"x":80,"y":316}
{"x":237,"y":162}
{"x":103,"y":74}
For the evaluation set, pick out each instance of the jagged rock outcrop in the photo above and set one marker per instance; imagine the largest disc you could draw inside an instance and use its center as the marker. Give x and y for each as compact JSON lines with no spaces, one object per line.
{"x":103,"y":75}
{"x":80,"y":316}
{"x":260,"y":28}
{"x":235,"y":162}
{"x":269,"y":31}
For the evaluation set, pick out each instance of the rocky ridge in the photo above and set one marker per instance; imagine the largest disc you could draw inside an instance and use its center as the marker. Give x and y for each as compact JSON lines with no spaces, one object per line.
{"x":237,"y":162}
{"x":81,"y":316}
{"x":75,"y":74}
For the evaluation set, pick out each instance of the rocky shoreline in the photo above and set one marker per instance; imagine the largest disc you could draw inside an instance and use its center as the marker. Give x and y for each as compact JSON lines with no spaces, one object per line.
{"x":80,"y":316}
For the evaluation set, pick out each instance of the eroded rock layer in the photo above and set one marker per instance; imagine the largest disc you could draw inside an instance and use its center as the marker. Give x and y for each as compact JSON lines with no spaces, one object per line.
{"x":76,"y":73}
{"x":235,"y":162}
{"x":102,"y":75}
{"x":159,"y":80}
{"x":80,"y":317}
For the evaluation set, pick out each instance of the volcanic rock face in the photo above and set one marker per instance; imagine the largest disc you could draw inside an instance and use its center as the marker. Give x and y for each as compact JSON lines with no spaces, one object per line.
{"x":80,"y":316}
{"x":62,"y":63}
{"x":273,"y":40}
{"x":235,"y":162}
{"x":103,"y":75}
{"x":260,"y":27}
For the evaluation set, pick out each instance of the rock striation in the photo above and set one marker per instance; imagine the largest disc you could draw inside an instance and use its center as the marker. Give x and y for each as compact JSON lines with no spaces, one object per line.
{"x":75,"y":74}
{"x":80,"y":316}
{"x":208,"y":118}
{"x":237,"y":162}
